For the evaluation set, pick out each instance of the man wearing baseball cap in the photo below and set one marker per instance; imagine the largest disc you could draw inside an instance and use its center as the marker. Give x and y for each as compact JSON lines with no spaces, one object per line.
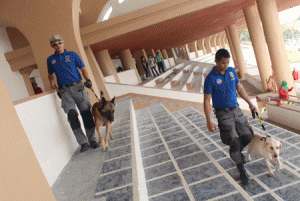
{"x":64,"y":64}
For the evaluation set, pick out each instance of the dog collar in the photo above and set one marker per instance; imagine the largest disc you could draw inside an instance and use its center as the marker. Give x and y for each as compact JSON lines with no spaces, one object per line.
{"x":265,"y":137}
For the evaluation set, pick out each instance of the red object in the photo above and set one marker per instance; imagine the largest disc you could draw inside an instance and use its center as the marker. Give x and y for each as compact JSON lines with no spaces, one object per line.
{"x":283,"y":94}
{"x":38,"y":90}
{"x":279,"y":102}
{"x":296,"y":75}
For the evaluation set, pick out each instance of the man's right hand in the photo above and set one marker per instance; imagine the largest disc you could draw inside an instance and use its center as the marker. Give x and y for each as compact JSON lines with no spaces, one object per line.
{"x":211,"y":126}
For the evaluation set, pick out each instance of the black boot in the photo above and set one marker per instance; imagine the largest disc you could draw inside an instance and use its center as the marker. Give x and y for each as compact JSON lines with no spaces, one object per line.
{"x":84,"y":147}
{"x":243,"y":175}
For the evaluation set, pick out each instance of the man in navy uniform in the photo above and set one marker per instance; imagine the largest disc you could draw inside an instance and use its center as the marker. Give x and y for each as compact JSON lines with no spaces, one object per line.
{"x":221,"y":85}
{"x":64,"y":65}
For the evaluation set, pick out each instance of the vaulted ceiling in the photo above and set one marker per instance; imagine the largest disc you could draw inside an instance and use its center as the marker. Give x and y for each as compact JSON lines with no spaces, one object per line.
{"x":184,"y":29}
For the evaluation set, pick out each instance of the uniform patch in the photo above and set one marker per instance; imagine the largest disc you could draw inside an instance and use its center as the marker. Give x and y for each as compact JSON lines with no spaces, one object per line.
{"x":231,"y":74}
{"x":219,"y":81}
{"x":53,"y":61}
{"x":67,"y":58}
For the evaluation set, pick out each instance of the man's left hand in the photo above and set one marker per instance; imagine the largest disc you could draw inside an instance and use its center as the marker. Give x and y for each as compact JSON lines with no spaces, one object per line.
{"x":88,"y":83}
{"x":252,"y":107}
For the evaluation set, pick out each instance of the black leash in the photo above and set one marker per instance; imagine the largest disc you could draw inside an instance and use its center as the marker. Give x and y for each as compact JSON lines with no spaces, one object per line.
{"x":94,"y":93}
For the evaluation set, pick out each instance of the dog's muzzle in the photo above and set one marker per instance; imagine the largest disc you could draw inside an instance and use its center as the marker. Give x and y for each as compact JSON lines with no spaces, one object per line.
{"x":109,"y":115}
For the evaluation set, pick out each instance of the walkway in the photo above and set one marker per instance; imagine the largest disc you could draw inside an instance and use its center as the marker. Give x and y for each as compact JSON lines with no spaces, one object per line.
{"x":182,"y":160}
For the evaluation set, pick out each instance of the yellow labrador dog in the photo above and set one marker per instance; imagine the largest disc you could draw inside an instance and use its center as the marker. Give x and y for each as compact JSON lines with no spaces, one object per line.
{"x":266,"y":147}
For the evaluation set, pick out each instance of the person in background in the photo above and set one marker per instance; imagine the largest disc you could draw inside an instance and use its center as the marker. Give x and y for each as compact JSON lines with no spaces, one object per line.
{"x":37,"y":90}
{"x":119,"y":69}
{"x":160,"y":62}
{"x":295,"y":74}
{"x":284,"y":90}
{"x":145,"y":66}
{"x":152,"y":64}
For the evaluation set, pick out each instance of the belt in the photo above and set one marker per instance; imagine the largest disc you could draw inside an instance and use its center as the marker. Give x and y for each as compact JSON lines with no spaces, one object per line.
{"x":68,"y":85}
{"x":226,"y":109}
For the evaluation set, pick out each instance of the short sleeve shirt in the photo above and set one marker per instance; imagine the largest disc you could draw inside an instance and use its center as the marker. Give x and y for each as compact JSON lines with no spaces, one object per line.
{"x":151,"y":62}
{"x":159,"y":58}
{"x":222,"y":87}
{"x":65,"y":67}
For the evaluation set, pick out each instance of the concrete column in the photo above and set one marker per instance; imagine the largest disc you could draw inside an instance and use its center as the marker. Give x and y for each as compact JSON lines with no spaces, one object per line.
{"x":201,"y":45}
{"x":25,"y":72}
{"x":153,"y":52}
{"x":207,"y":45}
{"x":259,"y":44}
{"x":28,"y":84}
{"x":106,"y":65}
{"x":21,"y":175}
{"x":164,"y":54}
{"x":236,"y":43}
{"x":174,"y":53}
{"x":222,"y":40}
{"x":187,"y":51}
{"x":193,"y":46}
{"x":99,"y":79}
{"x":231,"y":49}
{"x":218,"y":40}
{"x":226,"y":41}
{"x":129,"y":63}
{"x":213,"y":43}
{"x":274,"y":37}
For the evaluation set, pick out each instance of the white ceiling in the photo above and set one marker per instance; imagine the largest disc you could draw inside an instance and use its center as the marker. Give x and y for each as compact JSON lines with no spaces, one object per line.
{"x":129,"y":6}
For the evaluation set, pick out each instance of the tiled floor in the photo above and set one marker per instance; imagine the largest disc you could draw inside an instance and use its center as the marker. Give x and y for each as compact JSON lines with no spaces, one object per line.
{"x":182,"y":161}
{"x":98,"y":175}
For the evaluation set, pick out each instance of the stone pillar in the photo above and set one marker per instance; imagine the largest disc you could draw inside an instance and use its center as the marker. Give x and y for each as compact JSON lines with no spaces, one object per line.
{"x":222,"y":40}
{"x":25,"y":72}
{"x":21,"y":175}
{"x":193,"y":46}
{"x":274,"y":37}
{"x":213,"y":43}
{"x":153,"y":52}
{"x":129,"y":63}
{"x":259,"y":44}
{"x":106,"y":65}
{"x":227,"y":36}
{"x":99,"y":79}
{"x":201,"y":45}
{"x":236,"y":43}
{"x":218,"y":42}
{"x":207,"y":45}
{"x":164,"y":54}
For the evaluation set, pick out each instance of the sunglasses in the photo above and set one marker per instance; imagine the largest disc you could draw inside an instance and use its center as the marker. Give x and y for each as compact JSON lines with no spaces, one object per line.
{"x":58,"y":43}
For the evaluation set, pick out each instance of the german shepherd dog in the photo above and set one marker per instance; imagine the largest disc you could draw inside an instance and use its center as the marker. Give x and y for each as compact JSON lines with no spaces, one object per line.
{"x":103,"y":114}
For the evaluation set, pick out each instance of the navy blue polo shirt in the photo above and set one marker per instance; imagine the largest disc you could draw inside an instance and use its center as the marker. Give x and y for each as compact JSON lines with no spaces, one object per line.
{"x":65,"y":67}
{"x":222,"y":87}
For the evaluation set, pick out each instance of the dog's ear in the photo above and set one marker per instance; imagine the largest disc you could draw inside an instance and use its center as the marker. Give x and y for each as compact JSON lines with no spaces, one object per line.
{"x":113,"y":100}
{"x":279,"y":145}
{"x":103,"y":100}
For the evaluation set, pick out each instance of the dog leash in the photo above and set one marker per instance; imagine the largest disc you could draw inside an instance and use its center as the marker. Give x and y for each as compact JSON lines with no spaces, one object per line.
{"x":94,"y":93}
{"x":56,"y":89}
{"x":260,"y":121}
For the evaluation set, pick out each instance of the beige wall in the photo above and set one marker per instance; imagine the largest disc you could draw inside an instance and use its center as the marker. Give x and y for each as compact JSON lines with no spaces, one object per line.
{"x":21,"y":175}
{"x":16,"y":38}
